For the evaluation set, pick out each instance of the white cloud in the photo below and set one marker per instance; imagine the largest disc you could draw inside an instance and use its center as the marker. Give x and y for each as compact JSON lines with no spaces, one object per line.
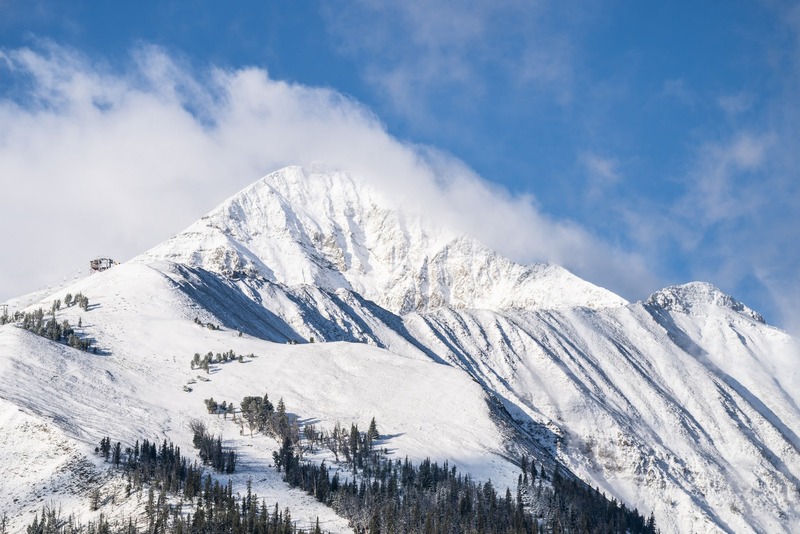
{"x":93,"y":161}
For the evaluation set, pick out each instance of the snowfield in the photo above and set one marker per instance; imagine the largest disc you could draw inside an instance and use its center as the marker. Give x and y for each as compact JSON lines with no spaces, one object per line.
{"x":686,"y":405}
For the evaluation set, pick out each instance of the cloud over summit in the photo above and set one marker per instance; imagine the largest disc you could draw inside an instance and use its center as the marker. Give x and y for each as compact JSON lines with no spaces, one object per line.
{"x":101,"y":161}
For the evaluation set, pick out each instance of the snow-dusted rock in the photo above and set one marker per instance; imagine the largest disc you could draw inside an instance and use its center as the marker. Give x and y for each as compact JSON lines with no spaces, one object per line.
{"x":334,"y":231}
{"x":687,"y":298}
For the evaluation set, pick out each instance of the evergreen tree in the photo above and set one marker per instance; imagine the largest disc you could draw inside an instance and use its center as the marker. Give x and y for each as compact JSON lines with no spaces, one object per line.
{"x":372,"y":433}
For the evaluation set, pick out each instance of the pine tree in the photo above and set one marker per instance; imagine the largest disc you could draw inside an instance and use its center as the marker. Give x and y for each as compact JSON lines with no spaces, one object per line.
{"x":372,"y":432}
{"x":94,"y":499}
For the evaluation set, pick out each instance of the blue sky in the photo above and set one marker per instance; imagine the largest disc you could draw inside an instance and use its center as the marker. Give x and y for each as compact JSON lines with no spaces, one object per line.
{"x":640,"y":144}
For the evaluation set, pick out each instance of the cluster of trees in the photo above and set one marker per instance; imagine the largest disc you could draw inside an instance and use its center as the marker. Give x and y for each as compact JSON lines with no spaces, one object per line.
{"x":160,"y":466}
{"x":215,"y":408}
{"x":203,"y":362}
{"x":49,"y":327}
{"x":398,"y":496}
{"x":53,"y":522}
{"x":217,"y":510}
{"x":355,"y":446}
{"x":569,"y":505}
{"x":79,"y":300}
{"x":167,"y":474}
{"x":210,"y":326}
{"x":274,"y":421}
{"x":112,"y":454}
{"x":394,"y":496}
{"x":69,"y":300}
{"x":211,"y":451}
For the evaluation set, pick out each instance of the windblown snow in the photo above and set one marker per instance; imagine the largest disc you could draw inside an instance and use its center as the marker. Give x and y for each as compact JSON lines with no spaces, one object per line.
{"x":686,"y":404}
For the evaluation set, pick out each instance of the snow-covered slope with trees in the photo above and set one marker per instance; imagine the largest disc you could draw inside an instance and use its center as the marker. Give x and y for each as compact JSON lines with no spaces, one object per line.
{"x":685,"y":405}
{"x":145,"y":328}
{"x":694,"y":417}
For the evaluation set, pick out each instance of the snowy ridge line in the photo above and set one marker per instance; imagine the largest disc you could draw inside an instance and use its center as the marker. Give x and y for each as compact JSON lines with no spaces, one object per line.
{"x":333,"y":231}
{"x":23,"y":302}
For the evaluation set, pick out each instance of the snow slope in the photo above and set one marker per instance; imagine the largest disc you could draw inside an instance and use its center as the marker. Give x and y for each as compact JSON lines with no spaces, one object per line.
{"x":686,"y":404}
{"x":146,"y":327}
{"x":694,"y":417}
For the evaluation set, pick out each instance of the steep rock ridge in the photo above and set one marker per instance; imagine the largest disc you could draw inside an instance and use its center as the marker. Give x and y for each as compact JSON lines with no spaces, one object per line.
{"x":333,"y":231}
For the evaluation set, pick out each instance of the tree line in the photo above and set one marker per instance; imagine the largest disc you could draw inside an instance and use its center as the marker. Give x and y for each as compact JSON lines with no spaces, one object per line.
{"x":217,"y":510}
{"x":47,"y":326}
{"x":394,"y":496}
{"x":181,"y":499}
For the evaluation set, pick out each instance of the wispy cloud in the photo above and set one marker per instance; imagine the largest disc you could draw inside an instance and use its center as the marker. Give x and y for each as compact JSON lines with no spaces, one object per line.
{"x":736,"y":222}
{"x":95,"y":160}
{"x":724,"y":184}
{"x":731,"y":210}
{"x":735,"y":104}
{"x":603,"y":172}
{"x":678,"y":89}
{"x":414,"y":51}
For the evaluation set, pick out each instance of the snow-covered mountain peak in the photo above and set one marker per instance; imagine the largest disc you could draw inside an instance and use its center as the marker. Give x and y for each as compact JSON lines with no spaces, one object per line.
{"x":688,"y":297}
{"x":337,"y":231}
{"x":458,"y":352}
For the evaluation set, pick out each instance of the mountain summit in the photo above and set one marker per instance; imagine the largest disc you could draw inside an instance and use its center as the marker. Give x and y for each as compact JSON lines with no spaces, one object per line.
{"x":692,"y":297}
{"x":334,"y":231}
